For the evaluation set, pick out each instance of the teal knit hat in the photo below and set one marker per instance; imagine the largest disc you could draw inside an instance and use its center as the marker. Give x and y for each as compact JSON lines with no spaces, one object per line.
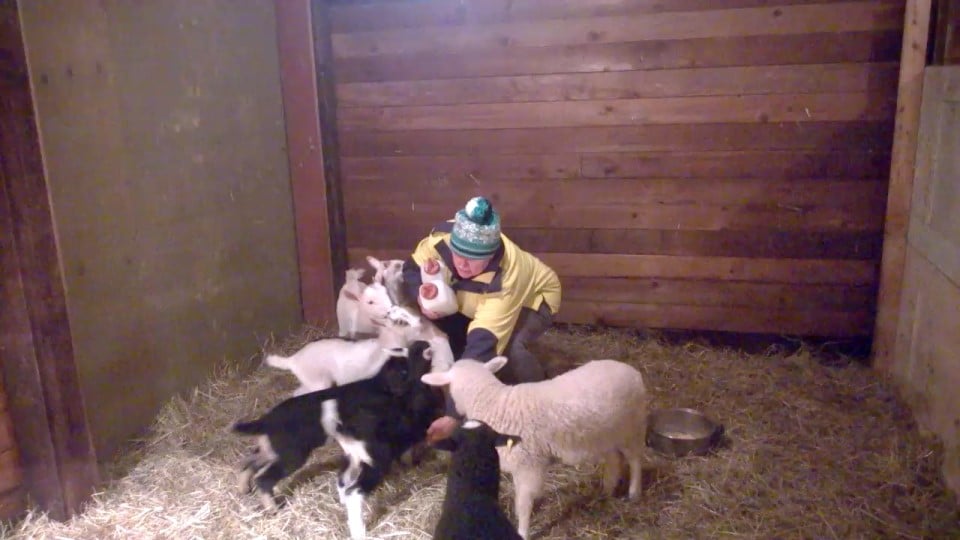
{"x":476,"y":230}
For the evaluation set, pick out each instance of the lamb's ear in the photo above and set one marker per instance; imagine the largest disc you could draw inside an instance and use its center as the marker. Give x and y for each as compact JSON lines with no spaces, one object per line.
{"x":375,"y":262}
{"x":436,"y":379}
{"x":496,"y":363}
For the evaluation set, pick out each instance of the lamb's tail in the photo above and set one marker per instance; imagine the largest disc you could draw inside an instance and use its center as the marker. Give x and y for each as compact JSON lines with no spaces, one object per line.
{"x":253,"y":427}
{"x":277,"y":361}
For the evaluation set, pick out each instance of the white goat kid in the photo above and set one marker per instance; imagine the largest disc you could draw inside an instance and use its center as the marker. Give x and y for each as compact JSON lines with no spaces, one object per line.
{"x":389,"y":273}
{"x":350,"y":318}
{"x":336,"y":361}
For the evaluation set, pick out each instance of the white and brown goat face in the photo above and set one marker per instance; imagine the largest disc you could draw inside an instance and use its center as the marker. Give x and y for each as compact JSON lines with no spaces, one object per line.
{"x":388,"y":271}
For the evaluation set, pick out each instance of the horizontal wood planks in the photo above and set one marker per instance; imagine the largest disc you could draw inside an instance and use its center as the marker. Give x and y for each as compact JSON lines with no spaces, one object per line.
{"x":714,"y":165}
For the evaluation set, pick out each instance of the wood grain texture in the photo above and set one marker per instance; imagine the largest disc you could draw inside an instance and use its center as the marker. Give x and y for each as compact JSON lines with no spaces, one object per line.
{"x":907,"y":121}
{"x":851,"y":137}
{"x":862,"y":216}
{"x":717,"y":160}
{"x":687,"y":292}
{"x":758,"y":243}
{"x":13,"y":504}
{"x":760,"y":270}
{"x":535,"y":195}
{"x":715,"y":318}
{"x":11,"y":475}
{"x":354,"y":17}
{"x":798,"y":19}
{"x":487,"y":172}
{"x":308,"y":174}
{"x":689,"y":110}
{"x":642,"y":54}
{"x":723,"y":81}
{"x":59,"y":465}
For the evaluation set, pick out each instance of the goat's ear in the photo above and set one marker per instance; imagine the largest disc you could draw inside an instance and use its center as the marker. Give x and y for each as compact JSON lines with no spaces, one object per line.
{"x":374,"y":262}
{"x":428,"y":354}
{"x":436,"y":379}
{"x":496,"y":363}
{"x":350,"y":295}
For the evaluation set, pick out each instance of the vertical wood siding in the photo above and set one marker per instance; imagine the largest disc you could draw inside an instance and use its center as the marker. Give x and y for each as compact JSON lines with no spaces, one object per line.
{"x":694,"y":164}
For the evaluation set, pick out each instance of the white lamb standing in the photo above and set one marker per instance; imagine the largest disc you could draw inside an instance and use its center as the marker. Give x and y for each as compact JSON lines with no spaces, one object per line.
{"x":595,"y":412}
{"x":351,"y":319}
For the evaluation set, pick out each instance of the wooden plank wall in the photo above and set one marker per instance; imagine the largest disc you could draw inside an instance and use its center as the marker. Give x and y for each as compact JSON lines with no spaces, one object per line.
{"x":692,"y":164}
{"x":12,"y":499}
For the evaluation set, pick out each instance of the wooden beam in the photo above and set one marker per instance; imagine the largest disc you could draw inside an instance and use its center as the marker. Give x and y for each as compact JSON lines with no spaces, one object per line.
{"x":907,"y":121}
{"x":40,"y":376}
{"x":309,"y":158}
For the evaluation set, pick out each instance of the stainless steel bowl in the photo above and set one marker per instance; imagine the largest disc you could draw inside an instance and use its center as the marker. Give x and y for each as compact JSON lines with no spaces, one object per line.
{"x":682,"y":432}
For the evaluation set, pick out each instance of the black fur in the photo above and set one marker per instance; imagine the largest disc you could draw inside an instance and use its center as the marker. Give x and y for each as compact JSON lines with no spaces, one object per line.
{"x":471,"y":508}
{"x":390,"y":412}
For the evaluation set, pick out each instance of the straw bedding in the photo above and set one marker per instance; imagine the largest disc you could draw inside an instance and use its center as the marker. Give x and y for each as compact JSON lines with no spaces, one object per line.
{"x":818,"y":447}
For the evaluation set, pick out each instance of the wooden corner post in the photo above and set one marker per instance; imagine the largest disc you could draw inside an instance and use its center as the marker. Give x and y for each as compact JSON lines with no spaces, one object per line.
{"x":910,"y":90}
{"x":309,"y":114}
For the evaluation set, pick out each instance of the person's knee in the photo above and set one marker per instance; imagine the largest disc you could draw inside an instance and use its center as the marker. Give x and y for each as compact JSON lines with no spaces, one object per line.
{"x":524,"y":365}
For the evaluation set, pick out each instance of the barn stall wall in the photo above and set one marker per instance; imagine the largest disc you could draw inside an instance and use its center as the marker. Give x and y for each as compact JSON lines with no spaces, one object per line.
{"x":164,"y":151}
{"x":925,"y":355}
{"x":712,"y":165}
{"x":12,"y":500}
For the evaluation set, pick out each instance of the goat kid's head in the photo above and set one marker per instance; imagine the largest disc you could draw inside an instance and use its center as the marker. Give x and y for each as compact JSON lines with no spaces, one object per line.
{"x":406,"y":365}
{"x":476,"y":435}
{"x":375,"y":302}
{"x":388,"y":271}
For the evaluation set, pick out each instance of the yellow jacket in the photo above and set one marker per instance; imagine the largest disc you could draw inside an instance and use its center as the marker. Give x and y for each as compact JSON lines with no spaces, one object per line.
{"x":513,"y":279}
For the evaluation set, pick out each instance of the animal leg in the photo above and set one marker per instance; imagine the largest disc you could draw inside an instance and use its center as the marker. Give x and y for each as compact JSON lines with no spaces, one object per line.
{"x":265,"y":479}
{"x":353,"y":500}
{"x":612,"y":467}
{"x":635,"y":460}
{"x":528,"y":483}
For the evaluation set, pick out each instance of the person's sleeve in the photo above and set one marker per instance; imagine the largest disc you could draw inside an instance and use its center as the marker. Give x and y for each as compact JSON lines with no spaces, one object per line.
{"x":492,"y":326}
{"x":411,"y":280}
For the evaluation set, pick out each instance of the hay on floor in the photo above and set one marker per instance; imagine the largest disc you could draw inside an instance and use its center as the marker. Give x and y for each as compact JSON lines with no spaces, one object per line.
{"x":815,"y":449}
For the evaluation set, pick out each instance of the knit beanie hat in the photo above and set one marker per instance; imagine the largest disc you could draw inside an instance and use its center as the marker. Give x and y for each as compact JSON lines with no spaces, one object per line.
{"x":476,"y":230}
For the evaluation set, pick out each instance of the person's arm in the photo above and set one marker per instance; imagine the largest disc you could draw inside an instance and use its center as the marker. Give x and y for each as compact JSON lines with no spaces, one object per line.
{"x":492,"y":326}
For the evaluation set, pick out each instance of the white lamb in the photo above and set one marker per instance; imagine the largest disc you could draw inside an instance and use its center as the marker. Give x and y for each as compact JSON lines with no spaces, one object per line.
{"x":595,"y":412}
{"x":350,"y":317}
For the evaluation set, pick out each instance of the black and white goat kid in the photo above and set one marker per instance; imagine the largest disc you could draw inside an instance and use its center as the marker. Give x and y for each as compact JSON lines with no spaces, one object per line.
{"x":374,"y":420}
{"x":471,"y":507}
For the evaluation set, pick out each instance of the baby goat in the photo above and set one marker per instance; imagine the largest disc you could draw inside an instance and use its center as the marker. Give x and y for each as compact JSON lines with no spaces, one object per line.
{"x":471,"y":507}
{"x":374,"y":420}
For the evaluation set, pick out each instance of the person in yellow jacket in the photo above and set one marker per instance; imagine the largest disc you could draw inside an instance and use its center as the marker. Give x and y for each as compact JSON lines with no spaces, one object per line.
{"x":506,"y":296}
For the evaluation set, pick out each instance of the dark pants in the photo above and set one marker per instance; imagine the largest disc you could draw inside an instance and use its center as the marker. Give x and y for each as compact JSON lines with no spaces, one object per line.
{"x":521,"y":366}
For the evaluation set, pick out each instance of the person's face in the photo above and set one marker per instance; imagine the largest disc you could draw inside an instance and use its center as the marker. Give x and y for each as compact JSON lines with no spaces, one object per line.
{"x":468,"y":268}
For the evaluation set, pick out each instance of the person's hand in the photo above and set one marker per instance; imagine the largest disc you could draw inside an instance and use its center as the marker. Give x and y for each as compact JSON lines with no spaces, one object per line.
{"x":441,"y":428}
{"x":428,"y":313}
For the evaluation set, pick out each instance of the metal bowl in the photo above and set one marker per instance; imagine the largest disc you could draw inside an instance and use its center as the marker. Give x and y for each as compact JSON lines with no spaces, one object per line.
{"x":682,"y":432}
